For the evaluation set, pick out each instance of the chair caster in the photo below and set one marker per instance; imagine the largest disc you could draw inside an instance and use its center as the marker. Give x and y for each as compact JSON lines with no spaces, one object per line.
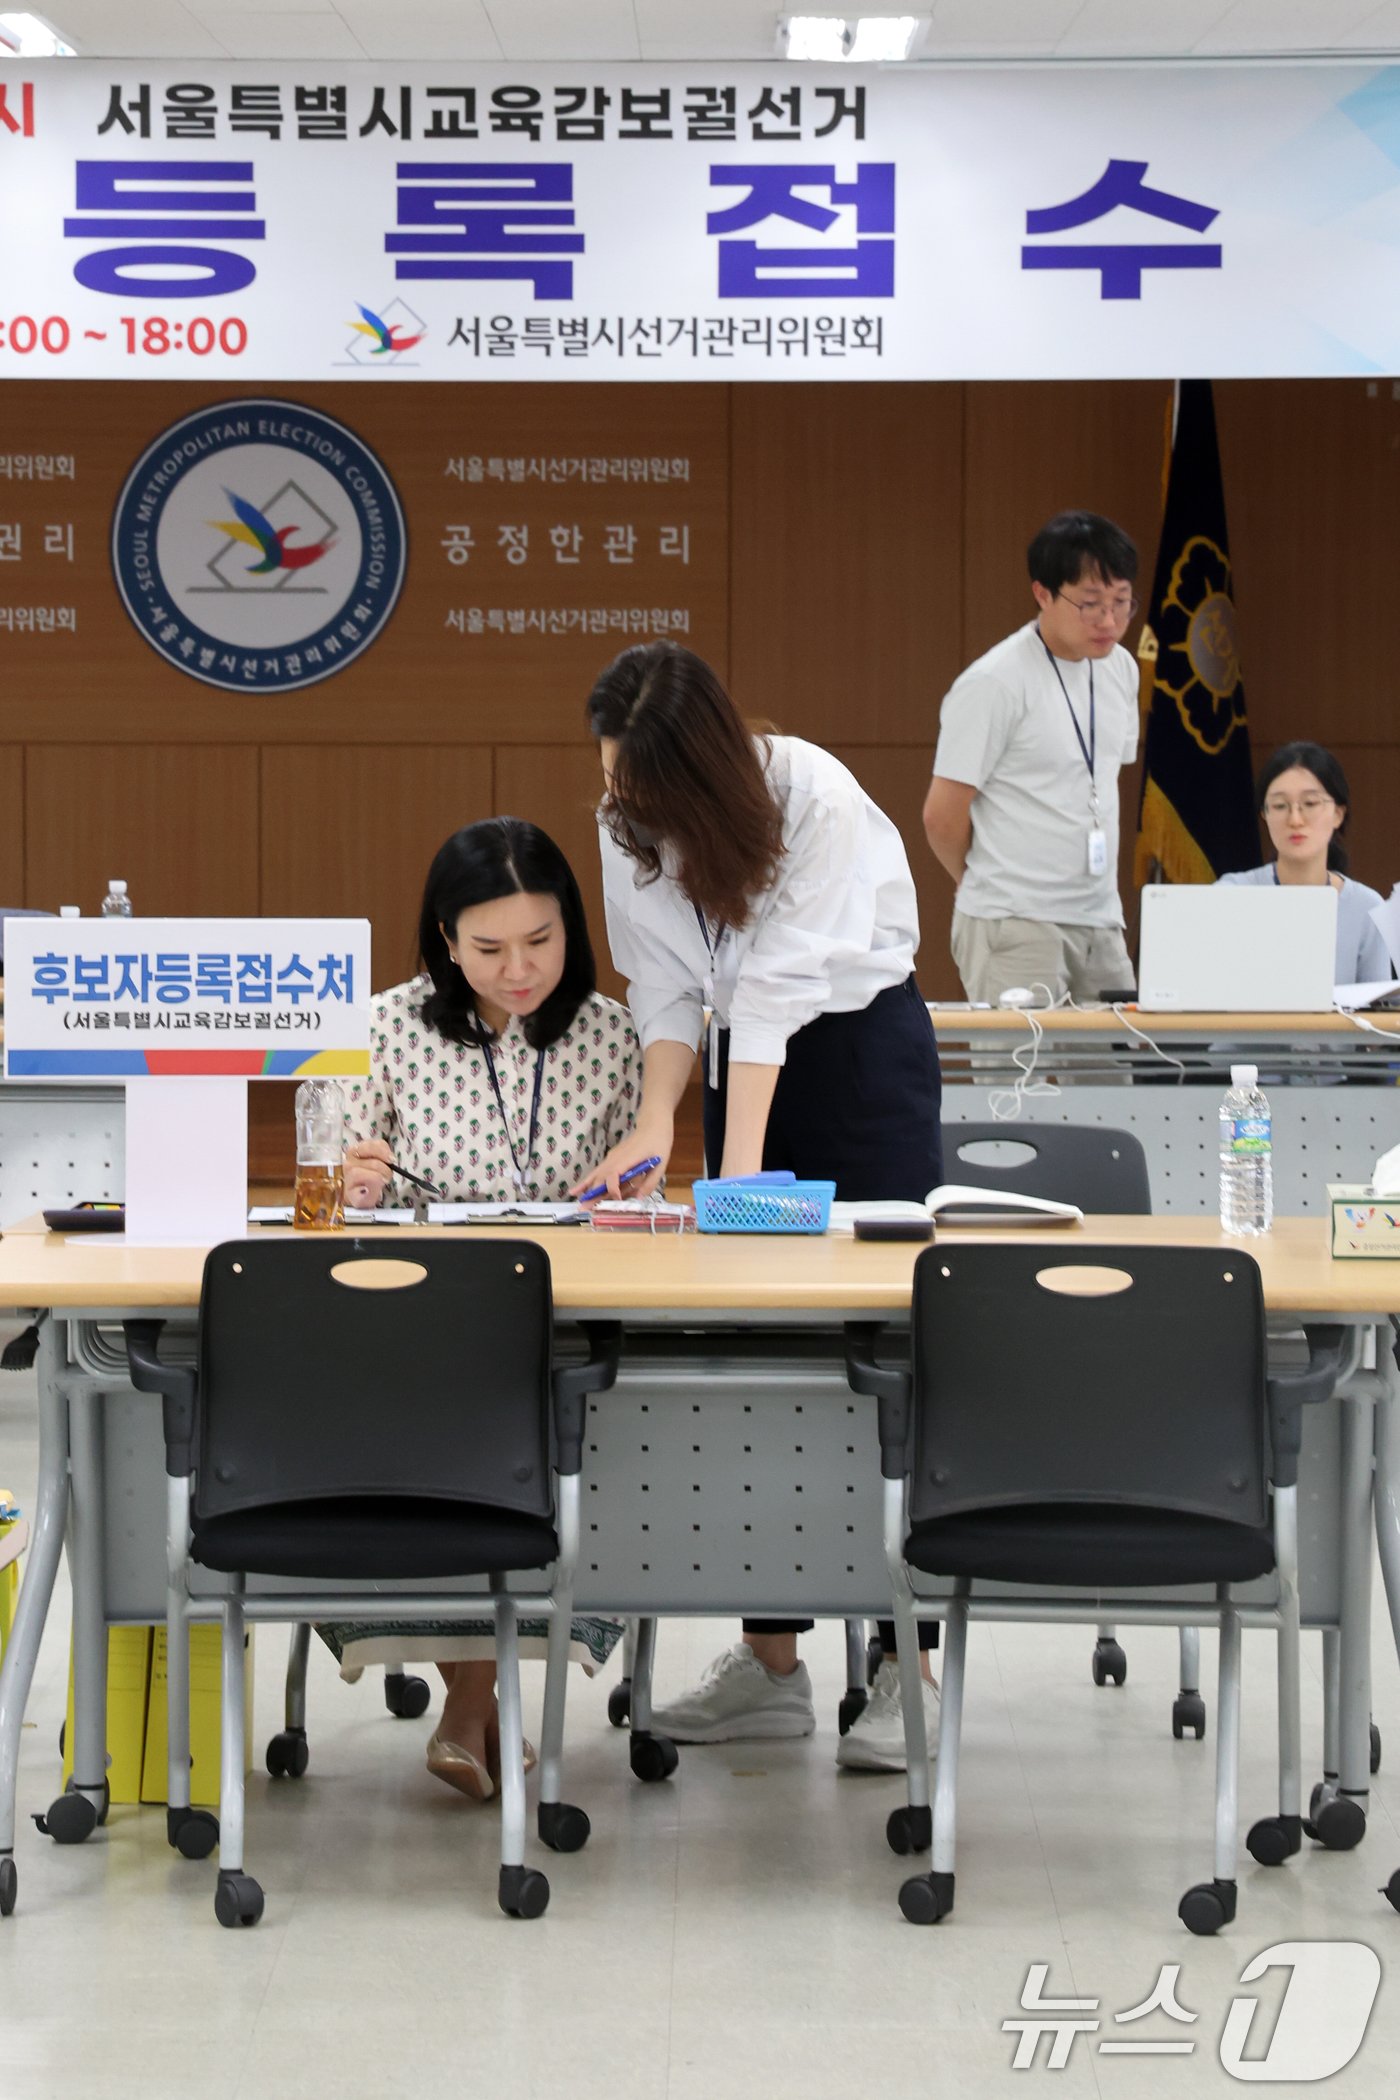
{"x":1391,"y":1891}
{"x":1375,"y":1748}
{"x":1189,"y":1711}
{"x":874,"y":1656}
{"x":72,"y":1818}
{"x":927,"y":1898}
{"x":1334,"y":1820}
{"x":653,"y":1757}
{"x":562,"y":1828}
{"x":909,"y":1829}
{"x":407,"y":1698}
{"x":523,"y":1893}
{"x":1108,"y":1661}
{"x":620,"y":1703}
{"x":9,"y":1887}
{"x":288,"y":1754}
{"x":238,"y":1900}
{"x":853,"y":1702}
{"x":192,"y":1831}
{"x":1275,"y":1839}
{"x":1206,"y":1907}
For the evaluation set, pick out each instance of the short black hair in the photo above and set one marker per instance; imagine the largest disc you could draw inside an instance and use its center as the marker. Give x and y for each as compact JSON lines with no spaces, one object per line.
{"x":1076,"y":540}
{"x":500,"y":857}
{"x":1317,"y":760}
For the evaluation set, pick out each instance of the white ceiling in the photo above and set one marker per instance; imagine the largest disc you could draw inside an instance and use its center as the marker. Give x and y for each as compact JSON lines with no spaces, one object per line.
{"x":528,"y":30}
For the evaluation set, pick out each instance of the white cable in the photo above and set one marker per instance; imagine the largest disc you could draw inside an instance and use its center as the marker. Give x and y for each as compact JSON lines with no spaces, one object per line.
{"x":1006,"y":1102}
{"x":1155,"y":1048}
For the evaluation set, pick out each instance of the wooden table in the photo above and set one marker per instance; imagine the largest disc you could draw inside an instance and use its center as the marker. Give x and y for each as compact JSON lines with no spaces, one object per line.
{"x":700,"y":1416}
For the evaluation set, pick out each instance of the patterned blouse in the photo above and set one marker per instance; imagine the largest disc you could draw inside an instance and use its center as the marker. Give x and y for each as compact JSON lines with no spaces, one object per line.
{"x":433,"y":1103}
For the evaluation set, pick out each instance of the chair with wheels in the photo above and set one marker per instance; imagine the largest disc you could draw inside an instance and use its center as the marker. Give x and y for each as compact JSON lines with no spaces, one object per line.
{"x":1104,"y":1172}
{"x":1104,"y":1443}
{"x":361,"y":1419}
{"x":288,"y":1752}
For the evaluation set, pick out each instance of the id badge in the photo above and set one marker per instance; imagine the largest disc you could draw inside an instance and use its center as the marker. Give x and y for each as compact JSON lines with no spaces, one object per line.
{"x":1098,"y":852}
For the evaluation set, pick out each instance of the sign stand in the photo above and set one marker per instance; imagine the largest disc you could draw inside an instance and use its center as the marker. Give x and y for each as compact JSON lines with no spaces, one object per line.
{"x":186,"y":1161}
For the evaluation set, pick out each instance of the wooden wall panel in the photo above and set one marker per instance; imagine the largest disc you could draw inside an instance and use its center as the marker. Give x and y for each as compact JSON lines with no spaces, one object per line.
{"x":847,"y":558}
{"x":1034,"y":448}
{"x":178,"y":822}
{"x":1312,"y":488}
{"x":1373,"y":775}
{"x":12,"y":824}
{"x":351,"y":832}
{"x":421,"y":682}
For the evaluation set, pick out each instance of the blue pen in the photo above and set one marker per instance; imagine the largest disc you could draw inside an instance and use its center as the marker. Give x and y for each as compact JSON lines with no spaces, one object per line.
{"x":643,"y":1166}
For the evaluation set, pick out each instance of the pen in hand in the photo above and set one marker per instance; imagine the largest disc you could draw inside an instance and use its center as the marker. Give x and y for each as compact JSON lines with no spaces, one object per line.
{"x":430,"y":1187}
{"x":643,"y":1166}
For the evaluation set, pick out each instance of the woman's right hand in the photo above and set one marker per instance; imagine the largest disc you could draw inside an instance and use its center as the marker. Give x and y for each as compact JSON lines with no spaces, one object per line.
{"x":369,"y":1168}
{"x":650,"y":1140}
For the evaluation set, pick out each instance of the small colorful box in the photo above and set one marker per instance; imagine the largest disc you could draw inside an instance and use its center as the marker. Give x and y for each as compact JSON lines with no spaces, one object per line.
{"x":14,"y":1536}
{"x":1365,"y":1227}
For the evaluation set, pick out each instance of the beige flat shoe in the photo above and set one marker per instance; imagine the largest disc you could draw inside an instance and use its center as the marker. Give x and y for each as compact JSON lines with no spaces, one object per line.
{"x":493,"y":1755}
{"x":457,"y":1768}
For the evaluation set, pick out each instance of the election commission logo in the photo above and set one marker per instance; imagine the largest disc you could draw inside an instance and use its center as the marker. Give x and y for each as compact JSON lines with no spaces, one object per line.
{"x":259,"y":546}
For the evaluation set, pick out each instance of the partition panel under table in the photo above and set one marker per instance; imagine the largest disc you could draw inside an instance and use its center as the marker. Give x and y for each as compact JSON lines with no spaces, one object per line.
{"x":1330,"y":1082}
{"x":730,"y":1471}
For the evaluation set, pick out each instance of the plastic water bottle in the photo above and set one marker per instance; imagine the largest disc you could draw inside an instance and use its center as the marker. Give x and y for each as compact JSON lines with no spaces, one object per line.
{"x":1246,"y":1156}
{"x":319,"y":1202}
{"x":116,"y":904}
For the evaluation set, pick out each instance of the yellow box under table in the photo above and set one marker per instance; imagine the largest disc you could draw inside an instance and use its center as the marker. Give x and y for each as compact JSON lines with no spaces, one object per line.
{"x":206,"y":1703}
{"x":128,"y":1681}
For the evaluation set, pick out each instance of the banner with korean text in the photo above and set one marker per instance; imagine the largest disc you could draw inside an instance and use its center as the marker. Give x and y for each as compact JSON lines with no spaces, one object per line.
{"x":134,"y":999}
{"x":704,"y":222}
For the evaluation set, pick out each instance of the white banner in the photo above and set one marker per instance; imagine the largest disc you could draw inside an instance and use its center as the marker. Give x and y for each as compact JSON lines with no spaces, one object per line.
{"x":174,"y":998}
{"x":701,"y":222}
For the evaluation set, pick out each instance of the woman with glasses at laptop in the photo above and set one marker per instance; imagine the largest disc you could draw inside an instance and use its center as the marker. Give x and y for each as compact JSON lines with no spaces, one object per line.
{"x":500,"y":1074}
{"x":1304,"y":800}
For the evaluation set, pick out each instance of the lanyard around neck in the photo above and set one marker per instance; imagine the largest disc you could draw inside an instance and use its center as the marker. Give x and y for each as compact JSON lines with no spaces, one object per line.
{"x":1088,"y":749}
{"x":713,"y":941}
{"x":519,"y":1168}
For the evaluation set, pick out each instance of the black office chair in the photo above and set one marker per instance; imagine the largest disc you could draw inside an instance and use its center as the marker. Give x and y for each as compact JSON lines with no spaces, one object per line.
{"x":371,"y":1415}
{"x":1063,"y":1429}
{"x":1103,"y":1171}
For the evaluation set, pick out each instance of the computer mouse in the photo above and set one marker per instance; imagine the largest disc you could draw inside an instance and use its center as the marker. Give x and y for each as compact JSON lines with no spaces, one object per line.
{"x":1017,"y":995}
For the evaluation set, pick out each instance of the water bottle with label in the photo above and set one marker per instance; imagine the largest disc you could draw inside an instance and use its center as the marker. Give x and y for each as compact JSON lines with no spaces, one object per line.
{"x":1246,"y":1156}
{"x":116,"y":904}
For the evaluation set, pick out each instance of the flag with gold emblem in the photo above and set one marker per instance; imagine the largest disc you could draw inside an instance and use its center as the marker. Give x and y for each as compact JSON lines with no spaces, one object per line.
{"x":1197,"y":818}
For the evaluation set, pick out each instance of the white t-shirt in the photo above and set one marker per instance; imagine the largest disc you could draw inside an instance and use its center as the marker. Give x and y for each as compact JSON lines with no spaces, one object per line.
{"x":839,"y":925}
{"x":1006,"y":730}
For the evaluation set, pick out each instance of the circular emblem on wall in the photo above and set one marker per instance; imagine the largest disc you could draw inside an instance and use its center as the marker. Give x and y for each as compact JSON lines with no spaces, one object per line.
{"x":259,"y":546}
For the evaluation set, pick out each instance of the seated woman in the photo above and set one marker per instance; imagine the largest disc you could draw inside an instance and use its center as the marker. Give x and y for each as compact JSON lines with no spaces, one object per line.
{"x":1305,"y":801}
{"x":500,"y":1074}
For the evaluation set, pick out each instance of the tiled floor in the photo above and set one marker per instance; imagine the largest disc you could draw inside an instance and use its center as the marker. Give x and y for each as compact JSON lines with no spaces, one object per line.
{"x":733,"y":1932}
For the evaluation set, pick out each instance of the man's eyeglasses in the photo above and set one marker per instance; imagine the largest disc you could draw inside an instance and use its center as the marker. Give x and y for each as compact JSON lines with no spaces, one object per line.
{"x":1307,"y":807}
{"x":1092,"y":610}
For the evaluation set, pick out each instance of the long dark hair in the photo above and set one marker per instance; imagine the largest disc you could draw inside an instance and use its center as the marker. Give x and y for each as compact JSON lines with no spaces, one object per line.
{"x":690,"y":774}
{"x":498,"y":858}
{"x":1314,"y":759}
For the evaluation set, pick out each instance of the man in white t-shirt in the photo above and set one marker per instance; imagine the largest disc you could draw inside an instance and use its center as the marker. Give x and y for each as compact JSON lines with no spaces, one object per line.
{"x":1023,"y":808}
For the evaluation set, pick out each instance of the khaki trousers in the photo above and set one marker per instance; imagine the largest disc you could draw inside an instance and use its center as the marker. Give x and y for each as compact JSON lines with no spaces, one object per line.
{"x":993,"y":955}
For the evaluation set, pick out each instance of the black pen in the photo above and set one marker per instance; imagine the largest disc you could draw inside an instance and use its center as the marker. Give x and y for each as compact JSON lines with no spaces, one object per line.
{"x":430,"y":1187}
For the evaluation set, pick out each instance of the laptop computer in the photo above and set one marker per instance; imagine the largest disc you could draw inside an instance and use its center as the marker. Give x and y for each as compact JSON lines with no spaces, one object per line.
{"x":1242,"y":951}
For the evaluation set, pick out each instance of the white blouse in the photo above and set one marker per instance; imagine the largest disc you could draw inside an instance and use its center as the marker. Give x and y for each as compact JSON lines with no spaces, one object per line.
{"x":838,"y":927}
{"x":433,"y":1103}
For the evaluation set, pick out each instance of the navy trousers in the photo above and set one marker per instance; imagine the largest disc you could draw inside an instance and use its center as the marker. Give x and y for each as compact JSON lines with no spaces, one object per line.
{"x":858,"y":1103}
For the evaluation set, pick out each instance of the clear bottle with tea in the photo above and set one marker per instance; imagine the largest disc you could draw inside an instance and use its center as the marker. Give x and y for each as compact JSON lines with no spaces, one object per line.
{"x":319,"y":1204}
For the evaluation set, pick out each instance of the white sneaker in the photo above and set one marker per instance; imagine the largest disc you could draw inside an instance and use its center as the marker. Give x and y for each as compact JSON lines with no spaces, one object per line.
{"x":738,"y":1700}
{"x":875,"y":1740}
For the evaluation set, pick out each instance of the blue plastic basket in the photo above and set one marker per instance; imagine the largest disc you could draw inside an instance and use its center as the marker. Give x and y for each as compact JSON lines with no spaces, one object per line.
{"x":763,"y":1203}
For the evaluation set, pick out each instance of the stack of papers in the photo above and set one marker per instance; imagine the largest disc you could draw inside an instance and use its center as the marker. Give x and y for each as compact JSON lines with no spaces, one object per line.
{"x":281,"y":1214}
{"x":506,"y":1214}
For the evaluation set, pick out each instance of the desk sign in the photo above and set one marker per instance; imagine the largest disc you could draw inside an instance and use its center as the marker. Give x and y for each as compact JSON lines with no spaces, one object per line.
{"x":1364,"y":1227}
{"x":131,"y":999}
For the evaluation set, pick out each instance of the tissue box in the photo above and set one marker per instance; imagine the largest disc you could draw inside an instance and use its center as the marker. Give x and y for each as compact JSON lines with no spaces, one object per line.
{"x":1364,"y":1227}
